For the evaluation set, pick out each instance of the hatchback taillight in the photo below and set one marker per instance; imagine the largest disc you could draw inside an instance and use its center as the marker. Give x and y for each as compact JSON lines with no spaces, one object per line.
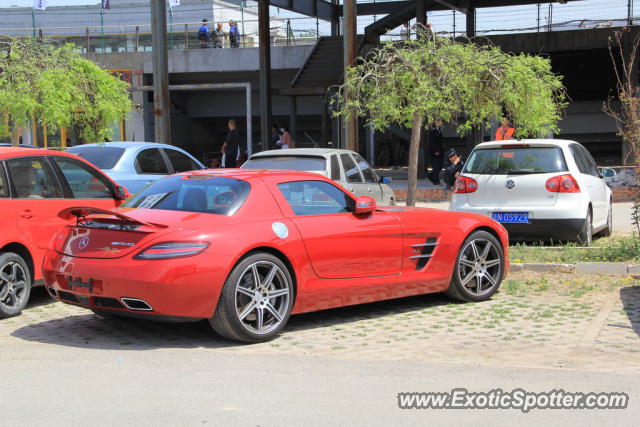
{"x":167,"y":250}
{"x":562,"y":184}
{"x":465,"y":185}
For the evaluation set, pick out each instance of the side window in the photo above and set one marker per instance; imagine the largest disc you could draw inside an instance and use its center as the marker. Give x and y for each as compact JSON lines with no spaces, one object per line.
{"x":335,"y":168}
{"x":368,"y":173}
{"x":350,"y":169}
{"x":4,"y":185}
{"x":583,"y":166}
{"x":316,"y":198}
{"x":33,"y":179}
{"x":180,"y":162}
{"x":151,"y":161}
{"x":84,"y":182}
{"x":593,"y":168}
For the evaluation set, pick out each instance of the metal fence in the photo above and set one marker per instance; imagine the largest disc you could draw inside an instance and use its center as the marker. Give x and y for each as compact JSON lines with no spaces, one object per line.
{"x":129,"y":30}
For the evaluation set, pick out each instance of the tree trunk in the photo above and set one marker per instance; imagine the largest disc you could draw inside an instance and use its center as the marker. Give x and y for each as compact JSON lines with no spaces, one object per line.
{"x":413,"y":158}
{"x":15,"y":134}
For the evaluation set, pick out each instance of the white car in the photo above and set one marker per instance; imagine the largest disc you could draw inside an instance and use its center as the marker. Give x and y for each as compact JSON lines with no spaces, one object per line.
{"x":545,"y":189}
{"x":345,"y":167}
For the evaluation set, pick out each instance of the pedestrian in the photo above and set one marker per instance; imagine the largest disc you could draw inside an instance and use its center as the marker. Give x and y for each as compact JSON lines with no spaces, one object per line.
{"x":454,"y":169}
{"x":436,"y":154}
{"x":505,"y":131}
{"x":234,"y":35}
{"x":285,"y":139}
{"x":231,"y":146}
{"x":275,"y":135}
{"x":203,"y":34}
{"x":219,"y":36}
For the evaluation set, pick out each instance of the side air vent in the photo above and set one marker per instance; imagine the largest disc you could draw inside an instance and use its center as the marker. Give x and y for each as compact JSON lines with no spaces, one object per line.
{"x":427,"y":249}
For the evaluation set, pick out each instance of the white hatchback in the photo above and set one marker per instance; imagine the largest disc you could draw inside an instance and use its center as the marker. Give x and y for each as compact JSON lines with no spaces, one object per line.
{"x":538,"y":189}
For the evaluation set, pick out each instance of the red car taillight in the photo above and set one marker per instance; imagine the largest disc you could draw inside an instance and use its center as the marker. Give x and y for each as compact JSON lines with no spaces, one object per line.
{"x":562,"y":184}
{"x":167,"y":250}
{"x":465,"y":185}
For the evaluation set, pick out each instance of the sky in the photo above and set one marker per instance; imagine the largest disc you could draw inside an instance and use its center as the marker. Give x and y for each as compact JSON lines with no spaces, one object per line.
{"x":26,"y":3}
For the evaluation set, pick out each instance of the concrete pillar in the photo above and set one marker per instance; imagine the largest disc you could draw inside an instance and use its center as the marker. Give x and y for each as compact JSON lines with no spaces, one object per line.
{"x":475,"y":137}
{"x":335,"y":25}
{"x":324,"y":125}
{"x":161,"y":104}
{"x":293,"y":118}
{"x":265,"y":74}
{"x":349,"y":23}
{"x":421,"y":13}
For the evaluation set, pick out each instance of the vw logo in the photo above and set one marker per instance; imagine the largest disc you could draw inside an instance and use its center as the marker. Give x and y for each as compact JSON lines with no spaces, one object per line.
{"x":84,"y":242}
{"x":510,"y":184}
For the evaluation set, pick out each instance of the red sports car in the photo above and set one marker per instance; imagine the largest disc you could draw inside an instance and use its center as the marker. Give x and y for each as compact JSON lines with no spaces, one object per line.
{"x":245,"y":249}
{"x":35,"y":185}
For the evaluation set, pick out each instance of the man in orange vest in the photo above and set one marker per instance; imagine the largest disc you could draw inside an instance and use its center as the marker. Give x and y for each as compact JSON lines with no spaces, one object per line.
{"x":505,"y":131}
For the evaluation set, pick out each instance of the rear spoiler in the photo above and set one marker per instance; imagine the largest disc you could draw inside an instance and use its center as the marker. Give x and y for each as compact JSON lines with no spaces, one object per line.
{"x":80,"y":213}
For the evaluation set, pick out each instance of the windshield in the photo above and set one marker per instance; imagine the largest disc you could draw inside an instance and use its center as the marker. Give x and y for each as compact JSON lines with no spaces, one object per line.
{"x":102,"y":157}
{"x":193,"y":193}
{"x":290,"y":163}
{"x":516,"y":160}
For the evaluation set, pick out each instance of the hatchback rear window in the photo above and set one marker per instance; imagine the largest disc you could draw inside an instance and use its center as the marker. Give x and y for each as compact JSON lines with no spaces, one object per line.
{"x":289,"y":163}
{"x":196,"y":193}
{"x":516,"y":160}
{"x":102,"y":157}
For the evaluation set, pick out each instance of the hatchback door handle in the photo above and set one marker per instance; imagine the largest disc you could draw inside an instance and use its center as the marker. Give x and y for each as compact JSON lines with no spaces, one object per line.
{"x":27,"y":214}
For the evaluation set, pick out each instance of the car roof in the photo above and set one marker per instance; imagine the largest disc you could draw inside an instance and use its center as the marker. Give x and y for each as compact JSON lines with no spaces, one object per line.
{"x":302,"y":152}
{"x":250,"y":174}
{"x":531,"y":142}
{"x":7,"y":152}
{"x":126,"y":144}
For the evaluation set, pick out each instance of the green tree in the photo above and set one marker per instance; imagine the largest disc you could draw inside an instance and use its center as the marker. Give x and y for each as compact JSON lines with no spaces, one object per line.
{"x":54,"y":85}
{"x":418,"y":81}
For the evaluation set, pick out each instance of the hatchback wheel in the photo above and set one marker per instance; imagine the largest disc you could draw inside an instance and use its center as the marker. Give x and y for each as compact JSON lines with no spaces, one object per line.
{"x":585,"y":236}
{"x":479,"y":268}
{"x":256,"y":300}
{"x":15,"y":284}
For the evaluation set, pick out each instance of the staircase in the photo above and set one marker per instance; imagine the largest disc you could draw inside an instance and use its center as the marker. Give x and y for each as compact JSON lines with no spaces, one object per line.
{"x":403,"y":13}
{"x":324,"y":65}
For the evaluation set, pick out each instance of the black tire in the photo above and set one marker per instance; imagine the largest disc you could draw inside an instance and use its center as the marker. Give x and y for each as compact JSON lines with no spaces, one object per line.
{"x":15,"y":284}
{"x":485,"y":271}
{"x":246,"y":310}
{"x":608,"y":229}
{"x":585,"y":236}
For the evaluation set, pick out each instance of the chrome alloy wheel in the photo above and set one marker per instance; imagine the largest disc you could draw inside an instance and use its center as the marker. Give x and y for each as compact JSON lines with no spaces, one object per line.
{"x":480,"y":267}
{"x":13,"y":284}
{"x":262,"y":297}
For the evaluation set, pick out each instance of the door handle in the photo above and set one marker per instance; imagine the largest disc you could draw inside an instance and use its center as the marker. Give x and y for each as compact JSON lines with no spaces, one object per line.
{"x":27,"y":214}
{"x":369,"y":189}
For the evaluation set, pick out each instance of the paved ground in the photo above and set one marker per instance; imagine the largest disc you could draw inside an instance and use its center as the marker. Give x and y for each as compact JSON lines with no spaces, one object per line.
{"x":343,"y":365}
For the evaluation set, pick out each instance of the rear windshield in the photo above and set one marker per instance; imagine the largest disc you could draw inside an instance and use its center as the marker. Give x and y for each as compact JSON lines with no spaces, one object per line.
{"x":516,"y":160}
{"x":215,"y":195}
{"x":289,"y":163}
{"x":102,"y":157}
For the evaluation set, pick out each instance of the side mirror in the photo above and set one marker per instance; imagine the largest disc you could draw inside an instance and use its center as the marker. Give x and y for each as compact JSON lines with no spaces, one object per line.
{"x":365,"y":205}
{"x":607,"y":172}
{"x":385,"y":180}
{"x":121,"y":192}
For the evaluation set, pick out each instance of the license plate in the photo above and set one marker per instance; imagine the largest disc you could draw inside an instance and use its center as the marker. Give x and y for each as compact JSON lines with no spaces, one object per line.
{"x":77,"y":284}
{"x":511,"y":217}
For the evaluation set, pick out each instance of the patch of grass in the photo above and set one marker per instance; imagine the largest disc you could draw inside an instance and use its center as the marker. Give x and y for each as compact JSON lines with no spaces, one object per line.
{"x":610,"y":249}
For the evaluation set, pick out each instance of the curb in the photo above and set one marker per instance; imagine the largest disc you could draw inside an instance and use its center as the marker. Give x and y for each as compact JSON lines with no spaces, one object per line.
{"x":602,"y":268}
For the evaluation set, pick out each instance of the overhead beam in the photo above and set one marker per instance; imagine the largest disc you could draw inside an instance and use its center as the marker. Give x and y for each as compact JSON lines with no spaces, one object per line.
{"x":386,"y":7}
{"x":313,"y":8}
{"x":264,"y":53}
{"x":453,"y":5}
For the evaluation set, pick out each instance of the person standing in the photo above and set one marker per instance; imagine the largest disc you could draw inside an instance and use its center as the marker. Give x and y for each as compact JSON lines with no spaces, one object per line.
{"x":275,"y":135}
{"x":505,"y":131}
{"x":234,"y":34}
{"x":219,"y":36}
{"x":453,"y":171}
{"x":285,"y":138}
{"x":203,"y":34}
{"x":231,"y":146}
{"x":436,"y":154}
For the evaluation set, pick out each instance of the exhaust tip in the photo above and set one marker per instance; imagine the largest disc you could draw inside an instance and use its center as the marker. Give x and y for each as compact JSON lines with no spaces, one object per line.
{"x":136,"y":304}
{"x":52,"y":292}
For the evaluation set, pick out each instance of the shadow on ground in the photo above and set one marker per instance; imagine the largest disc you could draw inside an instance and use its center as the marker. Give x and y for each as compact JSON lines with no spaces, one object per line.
{"x":630,"y":297}
{"x":91,"y":331}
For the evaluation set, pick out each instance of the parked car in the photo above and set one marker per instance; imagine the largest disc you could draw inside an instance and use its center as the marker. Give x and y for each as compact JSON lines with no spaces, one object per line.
{"x":345,"y":167}
{"x":137,"y":164}
{"x":35,"y":184}
{"x":247,"y":248}
{"x":538,"y":189}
